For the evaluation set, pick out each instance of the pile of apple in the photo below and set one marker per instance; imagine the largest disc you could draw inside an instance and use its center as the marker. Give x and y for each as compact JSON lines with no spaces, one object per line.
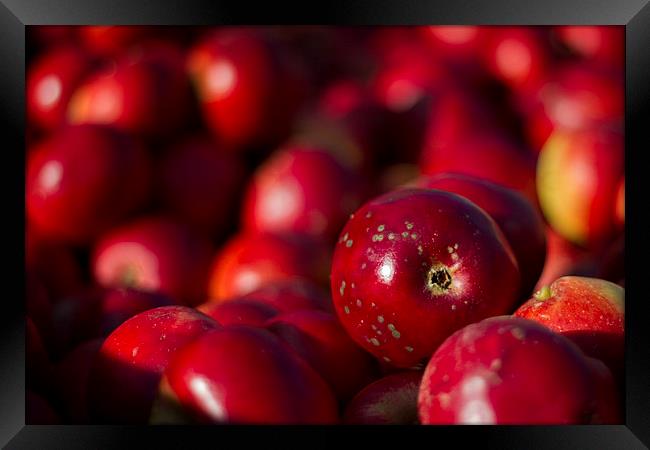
{"x":282,"y":225}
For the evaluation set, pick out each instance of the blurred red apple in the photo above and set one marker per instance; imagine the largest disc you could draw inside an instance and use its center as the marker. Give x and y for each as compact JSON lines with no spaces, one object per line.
{"x":413,"y":266}
{"x":319,"y":339}
{"x":51,"y":79}
{"x":144,"y":91}
{"x":108,"y":40}
{"x":518,"y":56}
{"x":518,"y":219}
{"x":247,"y":92}
{"x":154,"y":254}
{"x":119,"y":305}
{"x":577,"y":179}
{"x":240,"y":311}
{"x":391,"y":400}
{"x":605,"y":44}
{"x":508,"y":370}
{"x":83,"y":180}
{"x":200,"y":183}
{"x":288,"y":193}
{"x":492,"y":157}
{"x":126,"y":372}
{"x":589,"y":311}
{"x":292,"y":295}
{"x":264,"y":384}
{"x":250,"y":260}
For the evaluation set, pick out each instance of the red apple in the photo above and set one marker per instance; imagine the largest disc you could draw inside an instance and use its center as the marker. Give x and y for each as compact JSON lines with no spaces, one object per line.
{"x":287,"y":194}
{"x":249,"y":261}
{"x":589,"y":311}
{"x":518,"y":56}
{"x":154,"y":254}
{"x":51,"y":79}
{"x":605,"y":44}
{"x":200,"y":183}
{"x":319,"y":339}
{"x":292,"y":295}
{"x":71,"y":377}
{"x":264,"y":384}
{"x":518,"y":219}
{"x":459,"y":46}
{"x":583,"y":95}
{"x":107,"y":40}
{"x":247,"y":92}
{"x":391,"y":400}
{"x":240,"y":311}
{"x":491,"y":156}
{"x":83,"y":180}
{"x":413,"y":266}
{"x":508,"y":370}
{"x":145,"y":91}
{"x":406,"y":94}
{"x":125,"y":375}
{"x":577,"y":177}
{"x":349,"y":123}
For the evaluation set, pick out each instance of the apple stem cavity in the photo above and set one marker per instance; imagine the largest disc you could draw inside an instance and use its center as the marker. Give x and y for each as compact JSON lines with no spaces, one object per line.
{"x":438,"y":279}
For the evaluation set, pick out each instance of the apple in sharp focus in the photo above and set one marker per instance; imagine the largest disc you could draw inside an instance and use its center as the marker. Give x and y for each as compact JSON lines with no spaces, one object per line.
{"x":413,"y":266}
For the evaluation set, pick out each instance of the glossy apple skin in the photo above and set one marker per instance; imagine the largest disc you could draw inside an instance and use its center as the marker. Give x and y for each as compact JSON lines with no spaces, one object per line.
{"x":589,"y":311}
{"x":391,"y":400}
{"x":490,"y":156}
{"x":265,"y":384}
{"x":413,"y":266}
{"x":250,"y":260}
{"x":247,"y":93}
{"x":73,"y":194}
{"x":144,"y":92}
{"x":71,"y":376}
{"x":518,"y":219}
{"x":286,"y":194}
{"x":51,"y":80}
{"x":200,"y":183}
{"x":154,"y":254}
{"x":577,"y":178}
{"x":240,"y":311}
{"x":125,"y":375}
{"x":319,"y":339}
{"x":292,"y":295}
{"x":605,"y":44}
{"x":507,"y":370}
{"x":518,"y":56}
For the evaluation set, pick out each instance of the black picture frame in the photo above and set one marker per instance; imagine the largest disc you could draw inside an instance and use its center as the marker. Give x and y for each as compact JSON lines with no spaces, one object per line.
{"x":15,"y":15}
